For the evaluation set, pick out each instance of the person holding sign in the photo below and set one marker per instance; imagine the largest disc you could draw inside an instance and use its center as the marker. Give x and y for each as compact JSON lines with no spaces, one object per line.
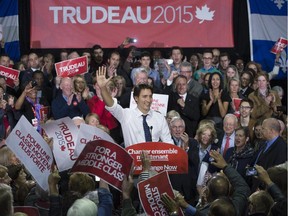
{"x":140,"y":124}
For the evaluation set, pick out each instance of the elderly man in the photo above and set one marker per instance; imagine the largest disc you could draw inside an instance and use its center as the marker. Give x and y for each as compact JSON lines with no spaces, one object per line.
{"x":140,"y":124}
{"x":226,"y":140}
{"x":68,"y":103}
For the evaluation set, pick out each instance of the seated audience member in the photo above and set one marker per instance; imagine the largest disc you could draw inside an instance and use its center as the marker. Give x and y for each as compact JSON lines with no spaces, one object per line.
{"x":245,"y":120}
{"x":241,"y":155}
{"x":97,"y":105}
{"x":265,"y":101}
{"x":7,"y":157}
{"x":246,"y":80}
{"x":136,"y":123}
{"x":6,"y":200}
{"x":227,"y":137}
{"x":218,"y":188}
{"x":68,"y":103}
{"x":29,"y":105}
{"x":4,"y":176}
{"x":215,"y":103}
{"x":19,"y":184}
{"x":185,"y":104}
{"x":80,"y":87}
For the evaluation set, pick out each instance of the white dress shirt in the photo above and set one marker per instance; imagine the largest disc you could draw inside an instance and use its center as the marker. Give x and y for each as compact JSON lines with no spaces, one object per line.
{"x":132,"y":124}
{"x":231,"y":142}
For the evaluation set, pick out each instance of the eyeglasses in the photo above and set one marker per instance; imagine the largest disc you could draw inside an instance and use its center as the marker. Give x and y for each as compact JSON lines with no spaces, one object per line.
{"x":245,"y":107}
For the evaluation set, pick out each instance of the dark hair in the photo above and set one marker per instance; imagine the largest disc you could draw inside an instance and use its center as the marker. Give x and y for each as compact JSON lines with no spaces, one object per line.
{"x":251,"y":103}
{"x":244,"y":129}
{"x":224,"y":54}
{"x":208,"y":51}
{"x":278,"y":175}
{"x":96,"y":46}
{"x":113,"y":52}
{"x":250,"y":72}
{"x":14,"y":171}
{"x":221,"y":80}
{"x":138,"y":88}
{"x":177,"y":48}
{"x":222,"y":206}
{"x":37,"y":72}
{"x":145,"y":54}
{"x":218,"y":186}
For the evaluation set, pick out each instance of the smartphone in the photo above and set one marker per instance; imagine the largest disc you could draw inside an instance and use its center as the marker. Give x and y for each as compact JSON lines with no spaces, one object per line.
{"x":251,"y":171}
{"x":34,"y":83}
{"x":132,"y":40}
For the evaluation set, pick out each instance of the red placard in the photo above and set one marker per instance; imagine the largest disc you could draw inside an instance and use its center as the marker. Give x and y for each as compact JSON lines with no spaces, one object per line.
{"x":154,"y":23}
{"x":150,"y":192}
{"x":44,"y":113}
{"x":106,"y":160}
{"x":279,"y":45}
{"x":9,"y":74}
{"x":72,"y":67}
{"x":164,"y":157}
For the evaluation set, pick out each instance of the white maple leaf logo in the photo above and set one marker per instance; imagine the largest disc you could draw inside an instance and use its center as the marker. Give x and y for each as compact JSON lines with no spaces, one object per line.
{"x":204,"y":14}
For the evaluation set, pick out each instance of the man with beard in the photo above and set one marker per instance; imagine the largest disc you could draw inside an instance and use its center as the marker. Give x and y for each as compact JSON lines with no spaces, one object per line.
{"x":97,"y":56}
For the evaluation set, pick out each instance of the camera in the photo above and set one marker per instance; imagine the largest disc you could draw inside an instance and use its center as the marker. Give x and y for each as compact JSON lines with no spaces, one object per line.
{"x":251,"y":171}
{"x":132,"y":40}
{"x":34,"y":83}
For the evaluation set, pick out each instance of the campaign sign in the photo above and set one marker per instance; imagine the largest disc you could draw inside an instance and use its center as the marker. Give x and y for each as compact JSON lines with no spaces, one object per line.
{"x":89,"y":133}
{"x":279,"y":45}
{"x":106,"y":160}
{"x":150,"y":192}
{"x":44,"y":113}
{"x":32,"y":150}
{"x":9,"y":74}
{"x":64,"y":133}
{"x":160,"y":103}
{"x":163,"y":156}
{"x":72,"y":67}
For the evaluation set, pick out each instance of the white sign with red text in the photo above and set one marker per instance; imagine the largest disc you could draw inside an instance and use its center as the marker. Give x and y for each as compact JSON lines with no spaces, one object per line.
{"x":160,"y":103}
{"x":89,"y":133}
{"x":72,"y":67}
{"x":64,"y":133}
{"x":32,"y":150}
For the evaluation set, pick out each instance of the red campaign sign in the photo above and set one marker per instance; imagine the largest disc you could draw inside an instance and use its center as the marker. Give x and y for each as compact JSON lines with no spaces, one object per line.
{"x":106,"y":160}
{"x":279,"y":45}
{"x":156,"y":23}
{"x":72,"y":67}
{"x":150,"y":192}
{"x":164,"y":157}
{"x":9,"y":74}
{"x":44,"y":113}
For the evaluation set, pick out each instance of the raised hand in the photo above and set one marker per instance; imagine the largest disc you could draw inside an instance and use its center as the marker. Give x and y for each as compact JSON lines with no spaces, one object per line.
{"x":101,"y":77}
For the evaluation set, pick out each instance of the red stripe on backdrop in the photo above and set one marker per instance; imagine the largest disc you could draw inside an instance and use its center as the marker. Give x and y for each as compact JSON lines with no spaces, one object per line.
{"x":157,"y":23}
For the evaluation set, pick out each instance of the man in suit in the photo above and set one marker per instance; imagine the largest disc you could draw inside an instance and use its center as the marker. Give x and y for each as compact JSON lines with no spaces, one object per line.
{"x":185,"y":104}
{"x":274,"y":151}
{"x":227,"y":138}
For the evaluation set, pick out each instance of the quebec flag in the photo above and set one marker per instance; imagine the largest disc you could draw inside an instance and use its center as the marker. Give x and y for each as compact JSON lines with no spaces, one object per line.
{"x":267,"y":23}
{"x":9,"y":26}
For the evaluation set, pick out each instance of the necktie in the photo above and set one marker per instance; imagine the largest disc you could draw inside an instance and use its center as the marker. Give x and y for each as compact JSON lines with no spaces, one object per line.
{"x":227,"y":144}
{"x":146,"y":128}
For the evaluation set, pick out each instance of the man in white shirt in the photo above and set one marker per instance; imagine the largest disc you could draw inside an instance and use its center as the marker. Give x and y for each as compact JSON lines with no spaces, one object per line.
{"x":132,"y":120}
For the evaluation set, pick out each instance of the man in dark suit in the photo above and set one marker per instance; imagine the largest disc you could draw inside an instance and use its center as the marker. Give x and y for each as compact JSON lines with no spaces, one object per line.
{"x":246,"y":80}
{"x":185,"y":104}
{"x":274,"y":151}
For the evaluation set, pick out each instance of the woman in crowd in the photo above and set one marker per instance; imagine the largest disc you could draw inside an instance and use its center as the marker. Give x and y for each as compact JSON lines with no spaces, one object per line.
{"x":235,"y":96}
{"x":265,"y":100}
{"x":29,"y":105}
{"x":80,"y":87}
{"x":231,"y":72}
{"x":241,"y":155}
{"x":7,"y":157}
{"x":196,"y":62}
{"x":120,"y":84}
{"x":215,"y":103}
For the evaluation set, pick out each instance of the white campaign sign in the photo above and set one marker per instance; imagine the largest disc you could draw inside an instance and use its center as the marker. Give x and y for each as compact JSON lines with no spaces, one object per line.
{"x":64,"y":133}
{"x":32,"y":150}
{"x":89,"y":133}
{"x":160,"y":103}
